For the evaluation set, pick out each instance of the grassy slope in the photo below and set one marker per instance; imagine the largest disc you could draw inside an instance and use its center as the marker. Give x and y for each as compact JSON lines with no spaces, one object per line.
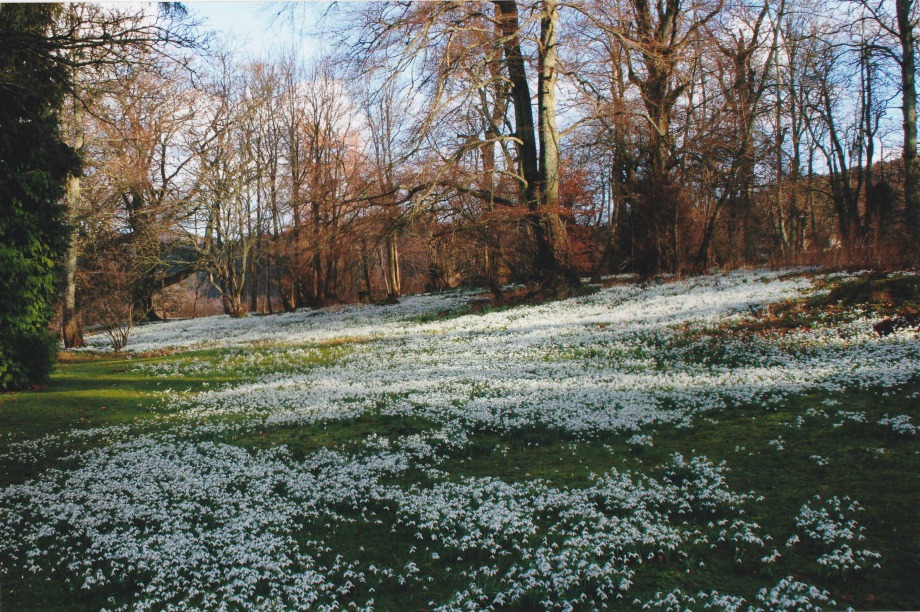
{"x":93,"y":390}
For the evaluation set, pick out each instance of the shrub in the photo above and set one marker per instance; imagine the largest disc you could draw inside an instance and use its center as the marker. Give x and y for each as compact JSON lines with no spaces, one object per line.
{"x":26,"y":358}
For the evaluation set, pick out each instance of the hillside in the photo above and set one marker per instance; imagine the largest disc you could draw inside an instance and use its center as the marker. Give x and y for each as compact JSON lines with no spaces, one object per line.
{"x":730,"y":441}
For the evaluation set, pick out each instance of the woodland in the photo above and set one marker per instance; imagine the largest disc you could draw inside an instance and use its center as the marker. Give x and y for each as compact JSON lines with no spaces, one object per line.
{"x":517,"y":305}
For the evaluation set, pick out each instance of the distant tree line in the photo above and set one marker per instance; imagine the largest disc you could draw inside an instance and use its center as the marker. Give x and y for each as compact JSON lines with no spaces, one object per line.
{"x":439,"y":144}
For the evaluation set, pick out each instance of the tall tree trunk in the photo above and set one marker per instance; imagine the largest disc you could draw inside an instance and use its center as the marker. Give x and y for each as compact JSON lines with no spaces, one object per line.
{"x":779,"y":138}
{"x":651,"y":221}
{"x":523,"y":124}
{"x":383,"y":270}
{"x":394,"y":281}
{"x":547,"y":227}
{"x":253,"y":286}
{"x":868,"y":131}
{"x":909,"y":111}
{"x":267,"y":286}
{"x":520,"y":95}
{"x":495,"y":114}
{"x":318,"y":285}
{"x":366,"y":273}
{"x":546,"y":109}
{"x":71,"y":328}
{"x":559,"y":267}
{"x":287,"y":290}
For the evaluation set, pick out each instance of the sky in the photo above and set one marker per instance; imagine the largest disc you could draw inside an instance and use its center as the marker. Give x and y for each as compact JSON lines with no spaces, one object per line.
{"x":257,"y":28}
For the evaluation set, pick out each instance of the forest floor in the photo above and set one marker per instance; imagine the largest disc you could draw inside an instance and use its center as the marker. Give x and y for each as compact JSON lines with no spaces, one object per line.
{"x":739,"y":441}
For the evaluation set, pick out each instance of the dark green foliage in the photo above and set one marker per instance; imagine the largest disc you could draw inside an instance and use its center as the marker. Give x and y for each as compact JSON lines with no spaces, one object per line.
{"x":33,"y":353}
{"x":34,"y":165}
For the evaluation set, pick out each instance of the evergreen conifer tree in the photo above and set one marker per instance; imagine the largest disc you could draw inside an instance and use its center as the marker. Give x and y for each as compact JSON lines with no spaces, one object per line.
{"x":34,"y":164}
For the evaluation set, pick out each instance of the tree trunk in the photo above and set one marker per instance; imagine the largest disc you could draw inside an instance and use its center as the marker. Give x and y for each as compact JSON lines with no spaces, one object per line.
{"x":287,"y":290}
{"x":547,"y":227}
{"x":558,"y":268}
{"x":383,"y":270}
{"x":651,"y":222}
{"x":367,"y":295}
{"x":71,"y":328}
{"x":318,"y":286}
{"x":507,"y":18}
{"x":495,"y":115}
{"x":780,"y":137}
{"x":520,"y":95}
{"x":909,"y":111}
{"x":546,"y":106}
{"x":267,"y":287}
{"x":394,"y":282}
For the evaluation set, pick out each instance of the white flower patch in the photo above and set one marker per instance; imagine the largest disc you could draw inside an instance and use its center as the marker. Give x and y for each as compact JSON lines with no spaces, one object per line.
{"x":301,"y":327}
{"x":790,"y":594}
{"x":31,"y":451}
{"x":198,"y":523}
{"x":228,"y":527}
{"x":777,"y":443}
{"x":900,"y":424}
{"x":849,"y":415}
{"x":611,"y":361}
{"x":675,"y":601}
{"x":819,"y":460}
{"x":245,"y":362}
{"x":721,"y":601}
{"x":833,"y":527}
{"x":570,"y":547}
{"x":639,"y":440}
{"x":852,"y":415}
{"x":205,"y":525}
{"x":678,"y":601}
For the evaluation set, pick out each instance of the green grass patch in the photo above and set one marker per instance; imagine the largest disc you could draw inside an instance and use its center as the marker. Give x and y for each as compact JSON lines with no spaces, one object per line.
{"x":88,"y":391}
{"x":344,"y":434}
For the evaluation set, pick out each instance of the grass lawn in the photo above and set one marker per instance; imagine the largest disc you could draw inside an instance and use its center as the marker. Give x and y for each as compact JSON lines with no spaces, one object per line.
{"x":747,"y":440}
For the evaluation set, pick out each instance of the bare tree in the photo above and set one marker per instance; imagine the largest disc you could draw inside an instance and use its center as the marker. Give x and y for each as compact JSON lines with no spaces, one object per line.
{"x":94,"y":43}
{"x":743,"y":70}
{"x":226,"y":178}
{"x":147,"y":124}
{"x":456,"y":55}
{"x":540,"y":172}
{"x":899,"y":44}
